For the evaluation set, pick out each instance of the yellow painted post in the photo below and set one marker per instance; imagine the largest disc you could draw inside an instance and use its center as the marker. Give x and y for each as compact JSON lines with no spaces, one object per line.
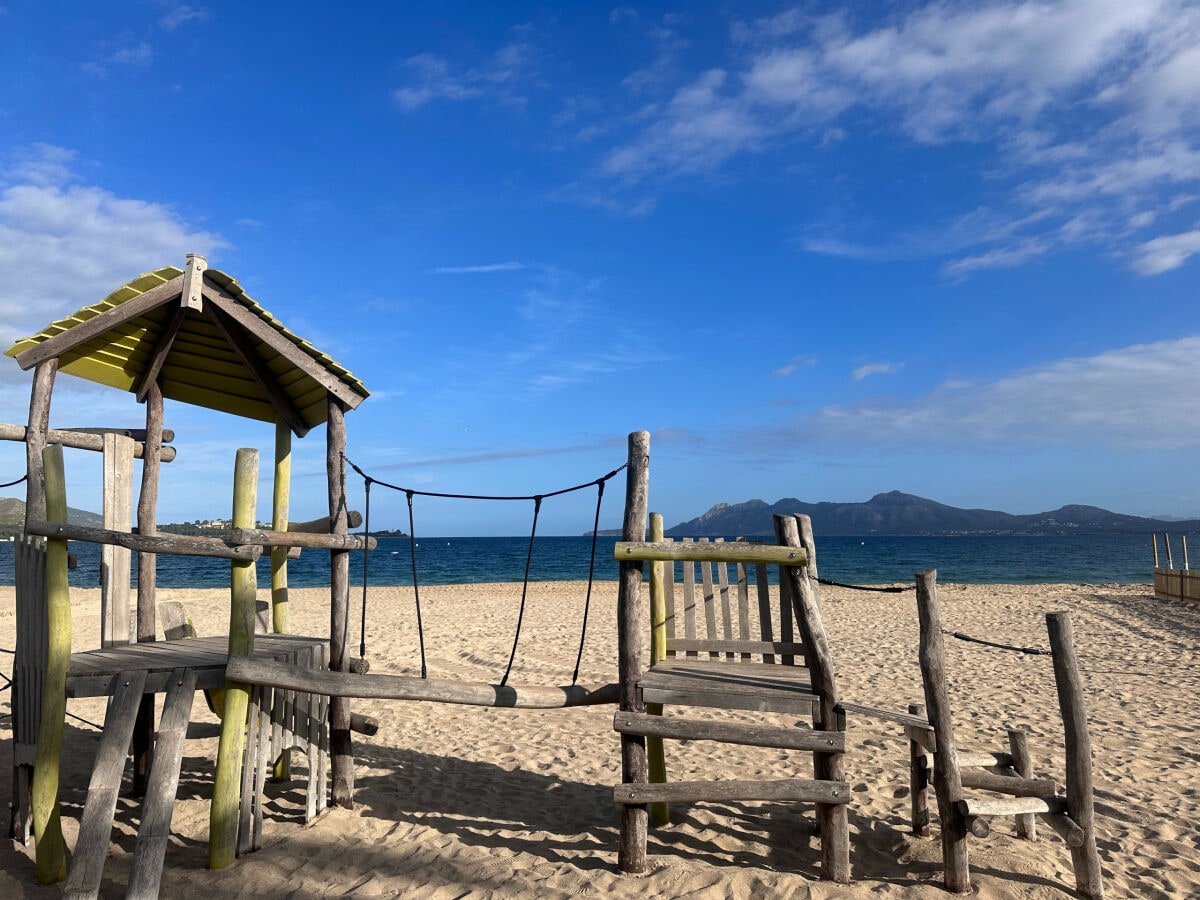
{"x":47,"y":824}
{"x":660,"y":813}
{"x":223,"y":815}
{"x":280,"y":502}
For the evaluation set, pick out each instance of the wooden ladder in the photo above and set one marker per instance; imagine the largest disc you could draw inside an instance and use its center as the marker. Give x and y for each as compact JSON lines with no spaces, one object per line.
{"x":95,"y":827}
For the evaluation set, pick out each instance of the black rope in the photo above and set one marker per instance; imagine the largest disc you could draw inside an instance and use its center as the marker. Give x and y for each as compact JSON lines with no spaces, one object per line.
{"x":587,"y":602}
{"x":362,"y":635}
{"x":85,"y":721}
{"x":537,"y":508}
{"x":859,"y":587}
{"x":534,"y":497}
{"x":412,"y":554}
{"x":12,"y":483}
{"x":1031,"y":651}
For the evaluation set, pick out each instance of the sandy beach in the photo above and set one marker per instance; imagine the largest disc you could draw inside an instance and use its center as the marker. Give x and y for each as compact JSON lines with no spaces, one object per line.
{"x":454,"y":801}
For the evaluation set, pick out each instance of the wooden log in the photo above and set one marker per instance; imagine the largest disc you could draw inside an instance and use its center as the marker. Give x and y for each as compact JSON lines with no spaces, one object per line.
{"x":361,"y":724}
{"x":37,"y":437}
{"x":262,"y":538}
{"x":795,"y":533}
{"x":978,"y":826}
{"x":1012,"y":785}
{"x":341,"y":748}
{"x":80,"y":439}
{"x":907,"y":720}
{"x":115,"y":560}
{"x":1011,"y":806}
{"x":947,"y":778}
{"x":383,"y":686}
{"x":984,"y":759}
{"x":173,"y":544}
{"x":147,"y":512}
{"x":918,"y":775}
{"x":223,"y":812}
{"x":1089,"y":879}
{"x":656,"y":760}
{"x":796,"y":789}
{"x":724,"y":551}
{"x":677,"y":728}
{"x":1065,"y":827}
{"x":1022,"y":763}
{"x":47,"y":823}
{"x":631,"y":849}
{"x":137,"y":435}
{"x":280,"y":510}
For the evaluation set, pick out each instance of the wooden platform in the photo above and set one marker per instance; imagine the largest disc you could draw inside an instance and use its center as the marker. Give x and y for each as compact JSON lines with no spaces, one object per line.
{"x":91,"y":671}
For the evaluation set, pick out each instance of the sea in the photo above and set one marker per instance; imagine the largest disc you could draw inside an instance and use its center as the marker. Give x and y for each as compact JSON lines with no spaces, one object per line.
{"x":867,"y":560}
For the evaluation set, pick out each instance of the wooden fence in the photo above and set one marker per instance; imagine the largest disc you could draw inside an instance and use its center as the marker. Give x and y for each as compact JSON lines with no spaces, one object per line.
{"x":1171,"y":583}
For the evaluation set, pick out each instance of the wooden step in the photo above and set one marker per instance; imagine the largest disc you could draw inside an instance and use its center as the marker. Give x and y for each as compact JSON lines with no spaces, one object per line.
{"x":677,"y":728}
{"x":95,"y":826}
{"x":690,"y":791}
{"x":163,"y":786}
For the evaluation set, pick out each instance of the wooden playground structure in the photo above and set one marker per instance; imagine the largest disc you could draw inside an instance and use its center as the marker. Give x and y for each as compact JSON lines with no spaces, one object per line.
{"x":739,"y":629}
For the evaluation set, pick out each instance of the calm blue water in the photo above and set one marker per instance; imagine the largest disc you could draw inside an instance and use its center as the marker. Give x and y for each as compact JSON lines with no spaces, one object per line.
{"x":1087,"y":559}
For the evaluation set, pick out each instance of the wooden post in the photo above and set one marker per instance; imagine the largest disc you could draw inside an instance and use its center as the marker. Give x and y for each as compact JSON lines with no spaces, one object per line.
{"x":947,"y":779}
{"x":341,"y":749}
{"x":35,"y":438}
{"x":47,"y":825}
{"x":660,"y":813}
{"x":832,"y":818}
{"x":143,"y":729}
{"x":1089,"y":879}
{"x":631,"y":851}
{"x":280,"y":501}
{"x":1154,"y":541}
{"x":1186,"y":567}
{"x":114,"y":560}
{"x":1018,"y":746}
{"x":223,"y":813}
{"x":1167,"y":544}
{"x":918,"y":779}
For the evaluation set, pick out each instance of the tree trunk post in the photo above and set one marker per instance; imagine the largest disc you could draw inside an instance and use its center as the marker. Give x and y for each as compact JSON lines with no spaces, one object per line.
{"x":341,"y":749}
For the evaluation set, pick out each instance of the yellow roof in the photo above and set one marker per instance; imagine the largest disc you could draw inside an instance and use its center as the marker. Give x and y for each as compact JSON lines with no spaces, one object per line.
{"x":229,"y":355}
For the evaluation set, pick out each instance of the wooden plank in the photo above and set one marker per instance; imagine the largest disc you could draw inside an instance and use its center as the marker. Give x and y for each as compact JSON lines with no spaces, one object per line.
{"x":690,"y":631}
{"x":874,"y":712}
{"x":1011,"y":806}
{"x":796,"y":789}
{"x":746,"y":648}
{"x":84,"y":331}
{"x":726,"y":551}
{"x":263,"y":538}
{"x":794,"y":703}
{"x":95,"y":826}
{"x":115,"y":561}
{"x":678,"y":728}
{"x":176,"y":544}
{"x":79,"y":439}
{"x":162,"y":788}
{"x":726,"y":608}
{"x":709,"y":599}
{"x":743,"y":605}
{"x":766,"y":618}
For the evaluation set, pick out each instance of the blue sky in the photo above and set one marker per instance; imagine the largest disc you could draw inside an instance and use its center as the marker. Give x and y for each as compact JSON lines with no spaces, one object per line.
{"x":946,"y":248}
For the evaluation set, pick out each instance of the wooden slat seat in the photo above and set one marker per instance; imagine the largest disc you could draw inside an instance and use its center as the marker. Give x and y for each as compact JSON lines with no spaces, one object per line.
{"x":765,"y":687}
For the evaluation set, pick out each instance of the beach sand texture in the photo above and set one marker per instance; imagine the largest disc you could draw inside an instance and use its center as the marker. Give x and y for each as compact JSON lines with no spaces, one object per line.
{"x":455,"y":801}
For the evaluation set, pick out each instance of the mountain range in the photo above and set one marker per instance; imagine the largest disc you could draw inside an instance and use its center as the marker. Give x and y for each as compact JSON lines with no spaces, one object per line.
{"x":12,"y":516}
{"x":897,"y":513}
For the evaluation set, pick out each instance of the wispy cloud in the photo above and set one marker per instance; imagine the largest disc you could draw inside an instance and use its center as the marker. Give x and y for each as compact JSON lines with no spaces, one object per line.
{"x":879,"y":368}
{"x":176,"y":15}
{"x":793,"y":365}
{"x":484,"y":269}
{"x":1162,"y":254}
{"x":503,"y":77}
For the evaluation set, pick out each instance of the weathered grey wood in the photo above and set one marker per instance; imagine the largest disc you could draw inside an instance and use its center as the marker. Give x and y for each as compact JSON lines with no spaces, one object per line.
{"x":677,"y":728}
{"x":631,"y":849}
{"x":765,"y":616}
{"x":137,"y":435}
{"x":82,"y":439}
{"x":947,"y":778}
{"x":361,"y":724}
{"x":909,"y":721}
{"x":1011,"y":806}
{"x":159,"y":805}
{"x":977,"y":826}
{"x":175,"y":624}
{"x":263,"y":377}
{"x":800,"y":584}
{"x":281,"y":489}
{"x":95,"y":826}
{"x":1022,"y":763}
{"x":411,"y":687}
{"x":162,"y":349}
{"x":115,"y":561}
{"x":97,"y":325}
{"x":918,"y":774}
{"x":801,"y":789}
{"x":796,"y":703}
{"x":28,"y":676}
{"x":1089,"y":879}
{"x":726,"y":607}
{"x":37,"y":438}
{"x":146,"y":630}
{"x":193,"y":283}
{"x":289,"y":538}
{"x":229,"y":305}
{"x":696,"y":551}
{"x":252,"y":765}
{"x":340,"y":745}
{"x":710,"y":612}
{"x":1065,"y":827}
{"x":746,"y":648}
{"x":1004,"y":784}
{"x":175,"y":544}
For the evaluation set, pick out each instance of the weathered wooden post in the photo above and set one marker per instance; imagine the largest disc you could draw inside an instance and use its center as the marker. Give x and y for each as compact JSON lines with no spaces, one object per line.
{"x":114,"y":561}
{"x":660,"y":813}
{"x":280,"y":502}
{"x":143,"y":729}
{"x":341,"y":749}
{"x":631,"y":851}
{"x":1018,"y":746}
{"x":223,"y":813}
{"x":947,"y":779}
{"x":47,"y":824}
{"x":918,"y":776}
{"x":1085,"y":858}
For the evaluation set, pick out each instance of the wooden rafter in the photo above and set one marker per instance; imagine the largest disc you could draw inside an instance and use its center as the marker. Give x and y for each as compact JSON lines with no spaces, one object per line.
{"x":165,"y":341}
{"x":283,"y":404}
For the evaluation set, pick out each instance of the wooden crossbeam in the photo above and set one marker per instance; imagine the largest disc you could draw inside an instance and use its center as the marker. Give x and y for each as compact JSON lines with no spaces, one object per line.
{"x":802,"y":789}
{"x":162,"y":349}
{"x":678,"y":728}
{"x":725,"y":551}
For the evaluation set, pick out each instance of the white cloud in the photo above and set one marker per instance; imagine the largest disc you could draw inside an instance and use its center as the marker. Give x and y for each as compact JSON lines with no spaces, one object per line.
{"x":179,"y":14}
{"x":63,"y":246}
{"x":793,"y":365}
{"x":1167,"y":252}
{"x":499,"y":78}
{"x":484,"y":269}
{"x":879,"y":368}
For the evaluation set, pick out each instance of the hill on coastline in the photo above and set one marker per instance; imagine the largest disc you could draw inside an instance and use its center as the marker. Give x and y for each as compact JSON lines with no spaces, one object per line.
{"x":12,"y":517}
{"x":898,"y":514}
